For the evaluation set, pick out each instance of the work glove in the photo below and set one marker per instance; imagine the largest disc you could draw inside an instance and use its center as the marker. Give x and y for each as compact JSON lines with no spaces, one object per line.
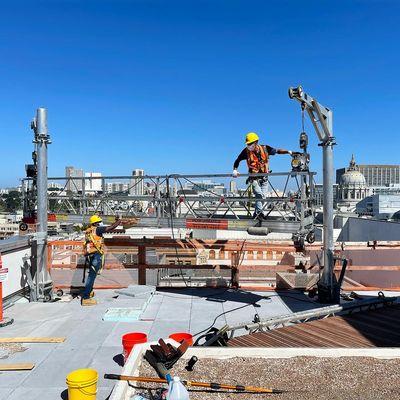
{"x":290,"y":152}
{"x":235,"y":173}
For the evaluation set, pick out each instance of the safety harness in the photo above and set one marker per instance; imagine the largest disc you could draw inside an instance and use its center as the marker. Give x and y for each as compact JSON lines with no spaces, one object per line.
{"x":93,"y":244}
{"x":257,"y":160}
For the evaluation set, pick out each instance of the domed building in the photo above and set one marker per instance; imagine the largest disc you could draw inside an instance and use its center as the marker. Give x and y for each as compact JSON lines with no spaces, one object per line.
{"x":352,"y":188}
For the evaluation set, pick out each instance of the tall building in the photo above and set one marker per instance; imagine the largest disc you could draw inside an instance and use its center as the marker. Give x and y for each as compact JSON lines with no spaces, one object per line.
{"x":93,"y":185}
{"x":136,"y":186}
{"x":232,"y":186}
{"x":376,"y":174}
{"x":74,"y":185}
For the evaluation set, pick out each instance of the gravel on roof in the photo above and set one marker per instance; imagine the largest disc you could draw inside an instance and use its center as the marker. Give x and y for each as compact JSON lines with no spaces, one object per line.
{"x":301,"y":377}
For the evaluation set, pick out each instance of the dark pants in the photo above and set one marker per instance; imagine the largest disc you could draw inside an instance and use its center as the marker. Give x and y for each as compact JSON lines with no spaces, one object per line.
{"x":95,"y":264}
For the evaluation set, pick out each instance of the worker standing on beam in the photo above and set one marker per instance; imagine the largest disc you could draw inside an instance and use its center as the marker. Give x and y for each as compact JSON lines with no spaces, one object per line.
{"x":257,"y":157}
{"x":94,"y":253}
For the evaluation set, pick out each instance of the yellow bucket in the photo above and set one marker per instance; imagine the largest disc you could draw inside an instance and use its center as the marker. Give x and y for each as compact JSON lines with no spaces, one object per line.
{"x":82,"y":384}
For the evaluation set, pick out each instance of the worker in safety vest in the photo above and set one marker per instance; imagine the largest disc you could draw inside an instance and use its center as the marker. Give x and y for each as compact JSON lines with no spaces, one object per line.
{"x":257,"y":157}
{"x":94,"y":252}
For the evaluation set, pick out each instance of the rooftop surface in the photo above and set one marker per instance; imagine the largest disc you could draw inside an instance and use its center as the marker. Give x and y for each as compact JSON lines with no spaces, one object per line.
{"x":94,"y":343}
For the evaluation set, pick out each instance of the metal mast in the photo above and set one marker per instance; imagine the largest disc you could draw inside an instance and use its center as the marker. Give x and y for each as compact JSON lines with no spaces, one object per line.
{"x":321,"y":118}
{"x":44,"y":284}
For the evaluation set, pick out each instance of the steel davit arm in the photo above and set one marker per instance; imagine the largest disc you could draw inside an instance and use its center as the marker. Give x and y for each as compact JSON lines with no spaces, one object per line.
{"x":321,"y":118}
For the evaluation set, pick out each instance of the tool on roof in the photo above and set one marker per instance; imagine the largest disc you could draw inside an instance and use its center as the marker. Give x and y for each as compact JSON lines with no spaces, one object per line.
{"x":191,"y":363}
{"x":210,"y":385}
{"x":163,"y":356}
{"x":214,"y":337}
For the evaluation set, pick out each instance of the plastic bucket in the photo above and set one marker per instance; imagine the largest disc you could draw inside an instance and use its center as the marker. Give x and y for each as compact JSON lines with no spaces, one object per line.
{"x":82,"y":384}
{"x":130,"y":339}
{"x":182,"y":336}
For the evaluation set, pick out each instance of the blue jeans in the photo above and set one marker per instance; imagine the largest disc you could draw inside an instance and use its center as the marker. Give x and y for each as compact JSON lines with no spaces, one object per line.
{"x":95,"y":265}
{"x":260,"y":188}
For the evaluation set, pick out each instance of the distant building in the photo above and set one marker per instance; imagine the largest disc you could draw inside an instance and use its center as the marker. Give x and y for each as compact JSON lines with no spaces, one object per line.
{"x":380,"y":206}
{"x":375,"y":174}
{"x":232,"y":187}
{"x":74,"y":185}
{"x":136,"y":186}
{"x":319,"y":194}
{"x":352,"y":188}
{"x":54,"y":185}
{"x":207,"y":188}
{"x":393,"y":188}
{"x":93,"y":185}
{"x":11,"y":189}
{"x":117,"y":187}
{"x":8,"y":229}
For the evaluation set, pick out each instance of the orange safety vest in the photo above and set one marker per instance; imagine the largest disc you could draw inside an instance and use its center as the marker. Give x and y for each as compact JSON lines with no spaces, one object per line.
{"x":257,"y":160}
{"x":93,"y":243}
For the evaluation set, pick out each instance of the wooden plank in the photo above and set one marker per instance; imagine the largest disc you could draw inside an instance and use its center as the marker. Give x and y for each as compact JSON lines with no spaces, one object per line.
{"x":16,"y":367}
{"x":33,"y":340}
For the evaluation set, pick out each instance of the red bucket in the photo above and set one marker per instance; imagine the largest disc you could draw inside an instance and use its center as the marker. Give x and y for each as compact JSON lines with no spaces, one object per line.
{"x":130,"y":339}
{"x":182,"y":336}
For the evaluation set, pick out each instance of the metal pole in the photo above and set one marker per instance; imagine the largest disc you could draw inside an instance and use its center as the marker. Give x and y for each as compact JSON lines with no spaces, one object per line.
{"x":328,"y":246}
{"x":158,"y":198}
{"x":42,"y":139}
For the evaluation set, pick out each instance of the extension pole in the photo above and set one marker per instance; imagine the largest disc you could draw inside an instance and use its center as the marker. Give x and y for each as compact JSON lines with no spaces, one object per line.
{"x":210,"y":385}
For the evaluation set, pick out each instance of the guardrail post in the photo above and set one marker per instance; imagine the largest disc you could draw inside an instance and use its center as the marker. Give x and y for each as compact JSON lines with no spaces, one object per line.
{"x":142,"y":265}
{"x":234,"y":269}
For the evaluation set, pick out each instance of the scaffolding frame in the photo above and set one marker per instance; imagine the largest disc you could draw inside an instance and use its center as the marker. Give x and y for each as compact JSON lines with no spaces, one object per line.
{"x":166,"y":201}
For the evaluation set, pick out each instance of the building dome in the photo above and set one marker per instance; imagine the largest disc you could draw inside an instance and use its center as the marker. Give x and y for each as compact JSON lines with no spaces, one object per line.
{"x":353,"y":178}
{"x":352,"y":187}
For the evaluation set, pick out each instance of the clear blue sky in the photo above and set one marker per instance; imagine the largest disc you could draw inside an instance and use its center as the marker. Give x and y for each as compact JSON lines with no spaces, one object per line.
{"x":173,"y":86}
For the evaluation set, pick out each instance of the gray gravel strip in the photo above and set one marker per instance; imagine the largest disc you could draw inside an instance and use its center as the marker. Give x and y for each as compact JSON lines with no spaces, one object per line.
{"x":313,"y":378}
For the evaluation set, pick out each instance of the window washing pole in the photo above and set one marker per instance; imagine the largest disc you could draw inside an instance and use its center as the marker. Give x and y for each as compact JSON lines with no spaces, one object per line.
{"x":44,"y":284}
{"x":208,"y":385}
{"x":321,"y":118}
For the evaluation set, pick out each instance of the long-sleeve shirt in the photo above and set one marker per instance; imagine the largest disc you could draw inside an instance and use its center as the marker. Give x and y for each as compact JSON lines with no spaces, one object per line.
{"x":243,"y":155}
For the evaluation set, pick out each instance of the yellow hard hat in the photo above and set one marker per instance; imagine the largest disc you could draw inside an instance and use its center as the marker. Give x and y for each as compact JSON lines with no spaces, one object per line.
{"x":94,"y":218}
{"x":251,"y":137}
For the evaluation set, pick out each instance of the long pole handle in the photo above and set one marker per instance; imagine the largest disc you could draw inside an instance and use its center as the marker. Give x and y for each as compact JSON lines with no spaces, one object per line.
{"x":194,"y":383}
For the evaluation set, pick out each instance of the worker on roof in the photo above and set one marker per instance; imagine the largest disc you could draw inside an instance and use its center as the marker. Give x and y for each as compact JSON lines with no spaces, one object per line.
{"x":257,"y":157}
{"x":94,"y":253}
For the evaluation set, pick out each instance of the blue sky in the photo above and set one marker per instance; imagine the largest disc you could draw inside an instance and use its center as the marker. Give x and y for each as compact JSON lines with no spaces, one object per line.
{"x":173,"y":86}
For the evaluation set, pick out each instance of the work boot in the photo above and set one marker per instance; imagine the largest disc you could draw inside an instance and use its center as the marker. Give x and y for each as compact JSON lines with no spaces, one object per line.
{"x":88,"y":302}
{"x":91,"y":294}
